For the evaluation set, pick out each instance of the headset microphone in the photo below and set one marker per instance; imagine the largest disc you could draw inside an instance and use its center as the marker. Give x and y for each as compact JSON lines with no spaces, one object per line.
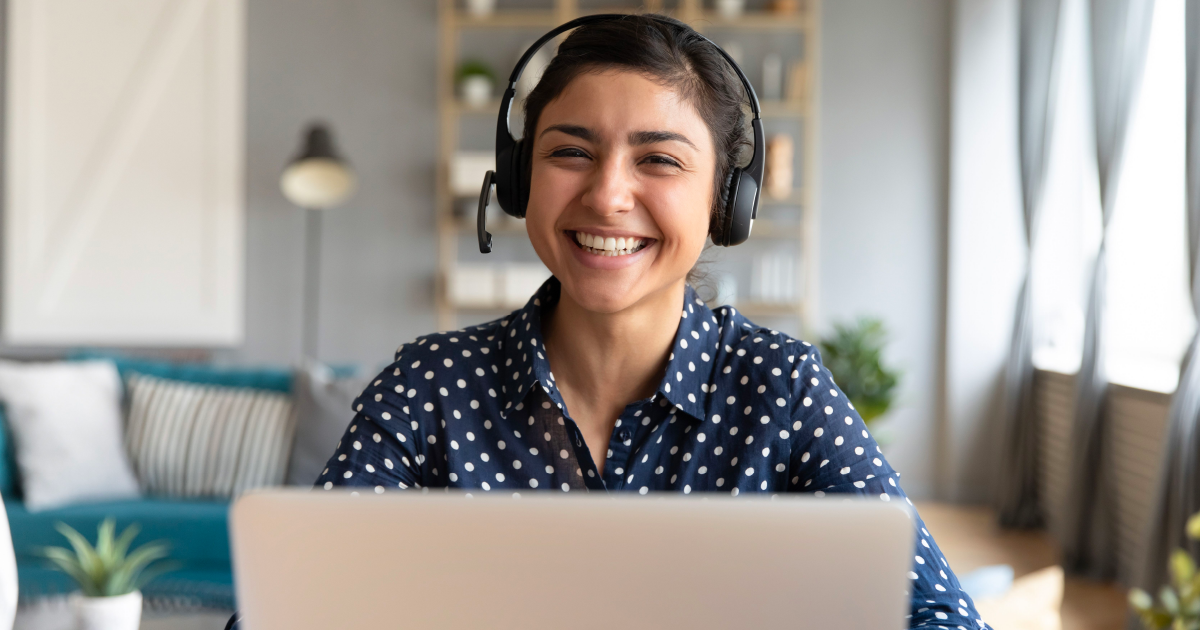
{"x":741,"y":190}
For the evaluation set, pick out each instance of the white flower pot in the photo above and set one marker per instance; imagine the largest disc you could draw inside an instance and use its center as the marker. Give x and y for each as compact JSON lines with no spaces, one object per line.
{"x":476,"y":90}
{"x":123,"y":612}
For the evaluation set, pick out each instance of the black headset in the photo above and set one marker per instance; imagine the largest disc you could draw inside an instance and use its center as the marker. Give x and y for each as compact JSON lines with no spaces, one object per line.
{"x":512,"y":189}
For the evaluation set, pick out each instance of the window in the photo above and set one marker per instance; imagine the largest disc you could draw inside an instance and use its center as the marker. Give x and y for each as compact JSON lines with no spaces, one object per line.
{"x":1148,"y":318}
{"x":1149,"y":315}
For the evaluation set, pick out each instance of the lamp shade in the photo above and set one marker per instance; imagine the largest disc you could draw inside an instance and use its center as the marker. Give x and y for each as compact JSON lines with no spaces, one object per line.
{"x":317,"y":178}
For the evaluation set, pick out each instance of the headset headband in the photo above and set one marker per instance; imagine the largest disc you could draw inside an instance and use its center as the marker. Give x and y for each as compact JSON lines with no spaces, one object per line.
{"x":510,"y":92}
{"x":739,"y":196}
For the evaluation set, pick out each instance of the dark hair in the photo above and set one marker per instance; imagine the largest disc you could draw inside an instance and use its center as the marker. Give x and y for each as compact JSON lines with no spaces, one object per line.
{"x":665,"y":50}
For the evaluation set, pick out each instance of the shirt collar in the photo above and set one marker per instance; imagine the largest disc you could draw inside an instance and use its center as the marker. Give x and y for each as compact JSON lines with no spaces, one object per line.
{"x":685,"y":382}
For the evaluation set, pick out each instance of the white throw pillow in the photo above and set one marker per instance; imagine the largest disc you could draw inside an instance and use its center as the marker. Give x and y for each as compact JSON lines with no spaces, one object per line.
{"x":66,"y":421}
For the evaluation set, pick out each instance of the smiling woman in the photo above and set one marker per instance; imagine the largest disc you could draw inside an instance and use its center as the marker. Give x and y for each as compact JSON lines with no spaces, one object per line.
{"x":615,"y":376}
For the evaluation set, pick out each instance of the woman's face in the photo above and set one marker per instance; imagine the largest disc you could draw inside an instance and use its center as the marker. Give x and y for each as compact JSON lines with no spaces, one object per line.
{"x":621,"y":189}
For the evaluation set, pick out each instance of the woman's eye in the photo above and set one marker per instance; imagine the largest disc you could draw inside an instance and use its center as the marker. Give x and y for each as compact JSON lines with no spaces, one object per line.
{"x":661,"y":160}
{"x":568,"y":153}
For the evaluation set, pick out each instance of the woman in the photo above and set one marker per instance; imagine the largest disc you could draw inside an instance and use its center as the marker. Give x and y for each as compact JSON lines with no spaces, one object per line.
{"x":615,"y":376}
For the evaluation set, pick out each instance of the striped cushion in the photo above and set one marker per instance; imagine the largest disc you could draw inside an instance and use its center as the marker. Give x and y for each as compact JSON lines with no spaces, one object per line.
{"x":188,"y":440}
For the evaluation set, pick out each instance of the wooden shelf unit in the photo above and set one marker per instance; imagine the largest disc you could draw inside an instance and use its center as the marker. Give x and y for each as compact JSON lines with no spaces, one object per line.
{"x":453,"y":23}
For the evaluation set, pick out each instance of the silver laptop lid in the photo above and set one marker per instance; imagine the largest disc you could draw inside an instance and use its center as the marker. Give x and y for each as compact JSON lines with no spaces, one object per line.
{"x":330,"y":560}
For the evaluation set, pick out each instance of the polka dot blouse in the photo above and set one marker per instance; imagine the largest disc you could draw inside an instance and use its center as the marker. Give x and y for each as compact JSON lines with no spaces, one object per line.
{"x":740,"y":409}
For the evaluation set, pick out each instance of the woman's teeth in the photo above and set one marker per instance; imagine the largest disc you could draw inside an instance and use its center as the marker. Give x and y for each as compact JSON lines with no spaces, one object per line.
{"x":601,"y":246}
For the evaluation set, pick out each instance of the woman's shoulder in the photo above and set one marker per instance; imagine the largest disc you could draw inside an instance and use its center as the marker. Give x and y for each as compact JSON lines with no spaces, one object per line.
{"x":482,"y":344}
{"x":425,"y":370}
{"x":749,"y":347}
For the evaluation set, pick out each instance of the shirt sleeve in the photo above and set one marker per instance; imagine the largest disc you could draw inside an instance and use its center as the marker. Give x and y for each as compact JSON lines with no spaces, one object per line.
{"x":381,"y":448}
{"x":835,"y":453}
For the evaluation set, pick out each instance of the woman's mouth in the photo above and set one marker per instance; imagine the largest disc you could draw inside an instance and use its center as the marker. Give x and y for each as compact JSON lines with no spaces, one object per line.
{"x":609,"y":246}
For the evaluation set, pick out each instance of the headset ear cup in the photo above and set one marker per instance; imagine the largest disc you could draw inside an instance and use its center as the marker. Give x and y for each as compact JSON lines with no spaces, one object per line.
{"x":729,"y":206}
{"x":522,"y":175}
{"x":720,"y":220}
{"x":516,"y":180}
{"x":744,"y":199}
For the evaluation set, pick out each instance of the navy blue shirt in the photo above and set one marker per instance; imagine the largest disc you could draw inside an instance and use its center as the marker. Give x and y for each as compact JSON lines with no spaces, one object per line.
{"x":740,"y":409}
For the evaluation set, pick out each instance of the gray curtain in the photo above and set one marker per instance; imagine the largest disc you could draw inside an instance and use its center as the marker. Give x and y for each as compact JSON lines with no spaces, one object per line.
{"x":1120,"y":31}
{"x":1179,"y":481}
{"x":1017,"y":492}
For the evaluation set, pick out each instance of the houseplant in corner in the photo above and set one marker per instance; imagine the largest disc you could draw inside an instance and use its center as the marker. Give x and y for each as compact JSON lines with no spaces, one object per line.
{"x":854,"y":355}
{"x":109,"y":575}
{"x":1179,"y":602}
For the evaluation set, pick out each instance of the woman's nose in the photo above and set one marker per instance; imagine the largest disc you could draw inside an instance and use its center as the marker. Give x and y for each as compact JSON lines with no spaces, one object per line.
{"x":611,"y":189}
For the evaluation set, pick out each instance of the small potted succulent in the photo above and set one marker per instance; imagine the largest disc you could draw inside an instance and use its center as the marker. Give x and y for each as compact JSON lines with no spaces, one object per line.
{"x":854,"y":355}
{"x":109,"y":575}
{"x":475,"y":81}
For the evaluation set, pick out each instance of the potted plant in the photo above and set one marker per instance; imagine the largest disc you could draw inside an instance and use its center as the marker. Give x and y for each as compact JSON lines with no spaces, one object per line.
{"x":853,"y":354}
{"x":1178,"y":606}
{"x":475,"y":80}
{"x":109,"y":575}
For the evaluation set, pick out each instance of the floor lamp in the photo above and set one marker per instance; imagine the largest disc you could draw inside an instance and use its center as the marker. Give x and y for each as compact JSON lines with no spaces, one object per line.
{"x":316,"y":180}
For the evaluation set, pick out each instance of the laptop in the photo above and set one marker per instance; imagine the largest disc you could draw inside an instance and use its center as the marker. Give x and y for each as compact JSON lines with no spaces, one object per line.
{"x":332,"y":560}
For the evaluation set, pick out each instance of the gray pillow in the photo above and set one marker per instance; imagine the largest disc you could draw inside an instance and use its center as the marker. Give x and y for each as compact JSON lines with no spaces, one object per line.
{"x":323,"y":411}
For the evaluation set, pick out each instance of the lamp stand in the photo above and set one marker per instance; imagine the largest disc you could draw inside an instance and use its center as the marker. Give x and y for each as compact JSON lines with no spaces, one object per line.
{"x":312,"y":284}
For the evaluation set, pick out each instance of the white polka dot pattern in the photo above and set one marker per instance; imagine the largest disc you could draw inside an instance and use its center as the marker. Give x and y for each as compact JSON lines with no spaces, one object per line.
{"x":741,"y":409}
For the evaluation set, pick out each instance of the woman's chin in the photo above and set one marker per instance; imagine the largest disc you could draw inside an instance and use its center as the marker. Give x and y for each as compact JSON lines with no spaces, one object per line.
{"x":601,"y":295}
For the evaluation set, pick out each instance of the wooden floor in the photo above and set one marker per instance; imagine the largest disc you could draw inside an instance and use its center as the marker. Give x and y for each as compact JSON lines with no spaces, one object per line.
{"x":970,"y":539}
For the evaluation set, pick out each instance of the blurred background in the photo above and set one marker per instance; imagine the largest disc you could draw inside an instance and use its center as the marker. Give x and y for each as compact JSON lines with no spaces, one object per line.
{"x":979,"y":208}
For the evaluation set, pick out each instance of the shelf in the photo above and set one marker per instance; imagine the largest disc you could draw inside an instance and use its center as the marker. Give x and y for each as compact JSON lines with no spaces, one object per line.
{"x":795,"y":199}
{"x":765,"y":229}
{"x":528,"y":18}
{"x":763,"y":20}
{"x":491,"y":108}
{"x":507,"y":226}
{"x":513,"y":18}
{"x":775,"y":109}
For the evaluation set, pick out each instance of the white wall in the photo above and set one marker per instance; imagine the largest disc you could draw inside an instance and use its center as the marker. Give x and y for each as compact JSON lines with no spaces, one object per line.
{"x":986,"y":244}
{"x":367,"y":67}
{"x":884,"y":108}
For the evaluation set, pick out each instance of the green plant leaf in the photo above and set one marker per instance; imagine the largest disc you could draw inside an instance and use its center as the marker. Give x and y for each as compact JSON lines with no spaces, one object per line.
{"x":1140,"y":600}
{"x":104,"y":538}
{"x":67,"y":562}
{"x":475,"y":67}
{"x":1182,"y":567}
{"x":125,"y":577}
{"x":853,"y":354}
{"x":107,"y":569}
{"x":89,"y":560}
{"x":1170,"y":600}
{"x":1193,"y":526}
{"x":154,"y":571}
{"x":121,"y":546}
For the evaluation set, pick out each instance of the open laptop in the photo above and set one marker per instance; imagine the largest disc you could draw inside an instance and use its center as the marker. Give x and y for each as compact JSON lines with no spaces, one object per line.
{"x":330,"y":560}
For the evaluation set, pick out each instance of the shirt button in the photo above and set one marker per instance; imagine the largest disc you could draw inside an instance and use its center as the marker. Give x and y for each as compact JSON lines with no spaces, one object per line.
{"x":625,"y":434}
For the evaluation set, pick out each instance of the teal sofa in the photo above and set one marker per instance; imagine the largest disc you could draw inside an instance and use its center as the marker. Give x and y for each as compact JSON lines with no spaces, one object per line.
{"x":196,"y":530}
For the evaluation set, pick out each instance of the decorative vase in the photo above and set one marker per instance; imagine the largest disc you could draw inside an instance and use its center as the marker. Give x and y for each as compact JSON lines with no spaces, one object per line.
{"x":476,"y":90}
{"x":122,"y":612}
{"x":481,"y":8}
{"x":730,"y":9}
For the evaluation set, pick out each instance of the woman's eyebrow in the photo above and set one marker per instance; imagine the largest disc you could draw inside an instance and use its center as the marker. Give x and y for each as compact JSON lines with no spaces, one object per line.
{"x":650,"y":137}
{"x":571,"y":130}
